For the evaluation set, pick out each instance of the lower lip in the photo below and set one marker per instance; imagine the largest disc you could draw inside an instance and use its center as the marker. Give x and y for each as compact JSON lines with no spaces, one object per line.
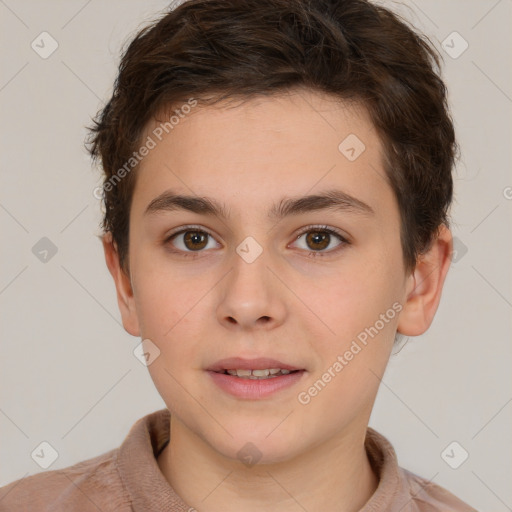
{"x":255,"y":388}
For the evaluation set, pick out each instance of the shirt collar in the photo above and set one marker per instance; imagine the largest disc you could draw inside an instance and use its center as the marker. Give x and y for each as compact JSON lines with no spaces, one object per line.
{"x":149,"y":490}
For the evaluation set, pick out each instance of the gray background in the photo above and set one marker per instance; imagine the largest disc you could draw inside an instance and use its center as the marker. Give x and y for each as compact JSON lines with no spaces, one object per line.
{"x":68,"y":375}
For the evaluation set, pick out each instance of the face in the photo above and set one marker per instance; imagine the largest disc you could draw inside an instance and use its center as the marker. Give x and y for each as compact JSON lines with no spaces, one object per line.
{"x":259,"y":272}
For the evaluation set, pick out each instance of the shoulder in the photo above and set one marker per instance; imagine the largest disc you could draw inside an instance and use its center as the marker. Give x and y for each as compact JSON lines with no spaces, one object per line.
{"x":93,"y":484}
{"x":427,"y":496}
{"x":400,"y":489}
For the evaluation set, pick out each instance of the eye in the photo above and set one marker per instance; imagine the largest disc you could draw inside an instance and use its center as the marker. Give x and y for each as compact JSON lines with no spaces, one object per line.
{"x":315,"y":239}
{"x":190,"y":240}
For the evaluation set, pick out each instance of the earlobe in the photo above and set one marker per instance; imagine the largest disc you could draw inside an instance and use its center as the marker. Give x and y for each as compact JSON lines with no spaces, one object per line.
{"x":425,"y":285}
{"x":124,"y":290}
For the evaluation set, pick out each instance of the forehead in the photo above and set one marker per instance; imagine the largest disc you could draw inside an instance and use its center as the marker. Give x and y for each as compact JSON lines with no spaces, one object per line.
{"x":247,"y":152}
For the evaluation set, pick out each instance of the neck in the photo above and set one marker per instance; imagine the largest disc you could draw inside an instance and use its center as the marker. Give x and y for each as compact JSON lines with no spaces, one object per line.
{"x":335,"y":475}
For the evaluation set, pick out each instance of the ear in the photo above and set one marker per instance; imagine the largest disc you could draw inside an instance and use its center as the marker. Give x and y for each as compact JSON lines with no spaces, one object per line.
{"x":125,"y":298}
{"x":425,"y":285}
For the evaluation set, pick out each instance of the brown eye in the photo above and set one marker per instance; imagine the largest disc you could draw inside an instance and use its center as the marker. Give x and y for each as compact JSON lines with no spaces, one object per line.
{"x":318,"y":240}
{"x":190,"y":240}
{"x":195,"y":240}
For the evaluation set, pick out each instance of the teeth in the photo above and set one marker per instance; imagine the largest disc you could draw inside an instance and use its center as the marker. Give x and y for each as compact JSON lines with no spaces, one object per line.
{"x":258,"y":374}
{"x":261,"y":373}
{"x":243,"y":373}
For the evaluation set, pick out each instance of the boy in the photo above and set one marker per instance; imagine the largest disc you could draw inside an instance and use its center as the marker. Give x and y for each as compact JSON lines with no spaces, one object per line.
{"x":277,"y":182}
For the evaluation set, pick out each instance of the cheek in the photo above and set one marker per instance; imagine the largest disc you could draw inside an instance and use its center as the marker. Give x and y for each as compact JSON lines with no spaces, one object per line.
{"x":344,"y":385}
{"x":173,"y":309}
{"x":362,"y":307}
{"x":355,"y":299}
{"x":165,"y":296}
{"x":167,"y":318}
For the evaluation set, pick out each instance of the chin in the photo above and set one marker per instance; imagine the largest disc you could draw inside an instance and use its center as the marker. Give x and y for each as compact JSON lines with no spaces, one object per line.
{"x":258,"y":444}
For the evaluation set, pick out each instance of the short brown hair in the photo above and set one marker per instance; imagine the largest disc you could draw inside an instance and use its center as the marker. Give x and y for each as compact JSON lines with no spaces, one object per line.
{"x":212,"y":50}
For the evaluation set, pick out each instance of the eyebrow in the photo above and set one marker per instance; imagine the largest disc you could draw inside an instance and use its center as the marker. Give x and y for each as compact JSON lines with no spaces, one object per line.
{"x":328,"y":200}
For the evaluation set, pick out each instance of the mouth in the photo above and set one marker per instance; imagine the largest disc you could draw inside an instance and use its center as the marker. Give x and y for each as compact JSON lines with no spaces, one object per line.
{"x":258,"y":364}
{"x":266,"y":373}
{"x":254,"y":378}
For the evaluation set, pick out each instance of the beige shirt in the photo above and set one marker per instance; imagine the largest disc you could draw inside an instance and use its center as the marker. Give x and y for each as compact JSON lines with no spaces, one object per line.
{"x":128,"y":479}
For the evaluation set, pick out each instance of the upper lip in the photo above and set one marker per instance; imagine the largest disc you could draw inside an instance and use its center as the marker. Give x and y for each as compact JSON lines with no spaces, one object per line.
{"x":239,"y":363}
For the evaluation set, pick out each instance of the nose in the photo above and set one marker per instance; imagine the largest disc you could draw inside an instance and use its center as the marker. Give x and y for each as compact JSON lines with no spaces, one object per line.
{"x":251,"y":297}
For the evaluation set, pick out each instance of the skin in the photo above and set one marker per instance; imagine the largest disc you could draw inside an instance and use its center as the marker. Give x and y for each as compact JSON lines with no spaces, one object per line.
{"x":287,"y":305}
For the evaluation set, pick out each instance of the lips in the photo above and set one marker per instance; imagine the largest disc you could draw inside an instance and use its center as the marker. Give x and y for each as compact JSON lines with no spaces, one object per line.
{"x":262,"y":363}
{"x":247,"y":379}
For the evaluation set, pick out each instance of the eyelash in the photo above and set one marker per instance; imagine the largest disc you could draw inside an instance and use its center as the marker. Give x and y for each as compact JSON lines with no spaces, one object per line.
{"x":308,"y":229}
